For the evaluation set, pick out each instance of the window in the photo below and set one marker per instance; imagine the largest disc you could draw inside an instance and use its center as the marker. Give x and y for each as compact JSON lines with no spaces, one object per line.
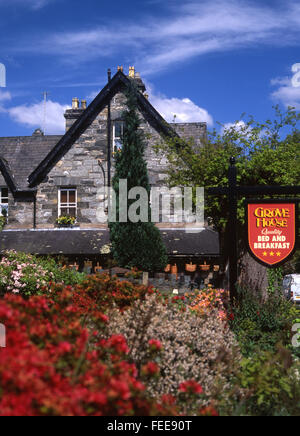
{"x":118,"y":131}
{"x":67,"y":202}
{"x":3,"y":201}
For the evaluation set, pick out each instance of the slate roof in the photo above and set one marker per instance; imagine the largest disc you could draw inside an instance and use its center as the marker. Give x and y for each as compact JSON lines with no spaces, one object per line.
{"x":26,"y":160}
{"x":117,"y":84}
{"x":89,"y":242}
{"x":21,"y":154}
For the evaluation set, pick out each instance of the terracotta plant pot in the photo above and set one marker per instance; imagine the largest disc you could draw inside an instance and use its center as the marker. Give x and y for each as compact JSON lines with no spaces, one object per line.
{"x":174,"y":270}
{"x":205,"y":267}
{"x":190,"y":267}
{"x":98,"y":268}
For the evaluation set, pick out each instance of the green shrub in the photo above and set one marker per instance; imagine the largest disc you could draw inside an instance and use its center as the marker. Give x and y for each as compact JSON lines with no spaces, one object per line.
{"x":261,"y":324}
{"x":272,"y":381}
{"x":27,"y":275}
{"x":3,"y":221}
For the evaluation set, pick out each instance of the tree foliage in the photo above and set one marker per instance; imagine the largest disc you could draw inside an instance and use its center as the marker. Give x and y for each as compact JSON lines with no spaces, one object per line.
{"x":266,"y":154}
{"x":135,"y":244}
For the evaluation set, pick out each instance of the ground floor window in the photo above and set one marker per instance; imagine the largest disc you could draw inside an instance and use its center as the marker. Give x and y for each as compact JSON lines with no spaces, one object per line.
{"x":4,"y":202}
{"x":67,"y":202}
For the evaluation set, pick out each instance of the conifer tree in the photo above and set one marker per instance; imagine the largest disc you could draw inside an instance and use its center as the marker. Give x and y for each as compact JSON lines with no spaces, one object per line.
{"x":134,"y":244}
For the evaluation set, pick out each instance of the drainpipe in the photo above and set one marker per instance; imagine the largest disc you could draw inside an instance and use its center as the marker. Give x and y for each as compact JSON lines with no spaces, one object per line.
{"x":34,"y":211}
{"x":109,"y":136}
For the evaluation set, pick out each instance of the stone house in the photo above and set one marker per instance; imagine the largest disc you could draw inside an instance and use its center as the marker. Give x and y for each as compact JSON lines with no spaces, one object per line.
{"x":44,"y":177}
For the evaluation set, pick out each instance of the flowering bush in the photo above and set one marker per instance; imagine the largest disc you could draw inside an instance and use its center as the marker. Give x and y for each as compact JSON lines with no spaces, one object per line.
{"x":207,"y":300}
{"x":54,"y":366}
{"x":111,"y":292}
{"x":60,"y":361}
{"x":24,"y":274}
{"x":184,"y":346}
{"x":134,"y":274}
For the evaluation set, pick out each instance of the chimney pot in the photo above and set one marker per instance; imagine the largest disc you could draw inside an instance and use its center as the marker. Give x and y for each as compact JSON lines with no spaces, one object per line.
{"x":75,"y":103}
{"x":131,"y":72}
{"x":83,"y":104}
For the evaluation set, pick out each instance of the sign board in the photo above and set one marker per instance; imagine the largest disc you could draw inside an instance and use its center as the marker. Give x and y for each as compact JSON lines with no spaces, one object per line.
{"x":272,"y":230}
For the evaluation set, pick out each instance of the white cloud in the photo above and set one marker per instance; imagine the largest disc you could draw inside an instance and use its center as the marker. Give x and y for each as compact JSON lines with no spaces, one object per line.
{"x":286,"y":93}
{"x":33,"y":116}
{"x":184,"y":110}
{"x":239,"y":127}
{"x":189,"y":30}
{"x":4,"y":96}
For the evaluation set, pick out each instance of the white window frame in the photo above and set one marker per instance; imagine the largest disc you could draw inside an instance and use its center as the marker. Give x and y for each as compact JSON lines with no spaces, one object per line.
{"x":67,"y":205}
{"x":115,"y":138}
{"x":3,"y":205}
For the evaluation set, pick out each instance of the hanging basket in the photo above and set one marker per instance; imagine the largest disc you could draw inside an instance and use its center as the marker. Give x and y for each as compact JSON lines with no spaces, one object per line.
{"x":205,"y":267}
{"x":168,"y":268}
{"x":190,"y":267}
{"x":174,"y":269}
{"x":98,"y":268}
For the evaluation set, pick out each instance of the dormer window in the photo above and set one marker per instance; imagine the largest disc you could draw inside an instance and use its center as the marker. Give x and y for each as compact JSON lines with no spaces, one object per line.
{"x":67,"y":202}
{"x":118,"y":131}
{"x":4,"y":202}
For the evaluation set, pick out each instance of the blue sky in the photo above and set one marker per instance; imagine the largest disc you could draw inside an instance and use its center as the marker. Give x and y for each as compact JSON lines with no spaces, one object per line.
{"x":201,"y":60}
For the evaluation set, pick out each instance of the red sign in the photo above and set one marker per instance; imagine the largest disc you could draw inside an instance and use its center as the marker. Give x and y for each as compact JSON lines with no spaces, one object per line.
{"x":272,"y":231}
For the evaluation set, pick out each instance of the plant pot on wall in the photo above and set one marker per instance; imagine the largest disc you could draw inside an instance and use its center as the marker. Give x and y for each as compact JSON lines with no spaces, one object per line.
{"x":190,"y":267}
{"x":205,"y":267}
{"x":65,"y":221}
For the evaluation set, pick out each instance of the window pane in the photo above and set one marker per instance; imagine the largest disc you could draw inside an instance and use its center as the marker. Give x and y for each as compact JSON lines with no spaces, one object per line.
{"x":4,"y":192}
{"x":118,"y":145}
{"x":64,"y":196}
{"x":72,"y":212}
{"x":118,"y":130}
{"x":3,"y":210}
{"x":63,"y":211}
{"x":72,"y":197}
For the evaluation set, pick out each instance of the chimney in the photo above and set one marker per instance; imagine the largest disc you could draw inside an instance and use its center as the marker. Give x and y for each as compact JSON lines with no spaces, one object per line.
{"x":120,"y":68}
{"x":131,"y":72}
{"x":71,"y":115}
{"x":136,"y":77}
{"x":75,"y":103}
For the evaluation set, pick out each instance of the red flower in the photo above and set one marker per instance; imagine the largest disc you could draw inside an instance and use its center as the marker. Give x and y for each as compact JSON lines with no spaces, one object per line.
{"x":65,"y":347}
{"x":191,"y":387}
{"x":155,"y":345}
{"x":150,"y":369}
{"x":208,"y":411}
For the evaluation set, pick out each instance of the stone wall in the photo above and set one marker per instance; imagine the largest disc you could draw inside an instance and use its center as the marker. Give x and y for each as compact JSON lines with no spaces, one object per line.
{"x":84,"y":167}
